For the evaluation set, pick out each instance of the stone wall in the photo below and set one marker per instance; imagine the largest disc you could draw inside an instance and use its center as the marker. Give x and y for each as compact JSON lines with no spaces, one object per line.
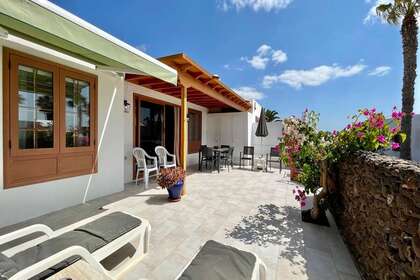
{"x":377,"y":208}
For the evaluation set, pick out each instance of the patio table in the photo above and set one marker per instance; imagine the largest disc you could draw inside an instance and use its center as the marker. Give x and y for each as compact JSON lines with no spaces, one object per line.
{"x":218,"y":153}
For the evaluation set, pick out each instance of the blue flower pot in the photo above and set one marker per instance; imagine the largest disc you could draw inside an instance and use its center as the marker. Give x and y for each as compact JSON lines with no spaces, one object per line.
{"x":175,"y":191}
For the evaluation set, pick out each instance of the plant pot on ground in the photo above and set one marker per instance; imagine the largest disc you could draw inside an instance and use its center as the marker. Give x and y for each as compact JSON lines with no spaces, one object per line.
{"x":172,"y":179}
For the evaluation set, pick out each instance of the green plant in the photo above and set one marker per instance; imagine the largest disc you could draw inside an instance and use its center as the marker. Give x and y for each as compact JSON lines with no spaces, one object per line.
{"x":271,"y":116}
{"x":368,"y":131}
{"x":168,"y":177}
{"x":405,"y":12}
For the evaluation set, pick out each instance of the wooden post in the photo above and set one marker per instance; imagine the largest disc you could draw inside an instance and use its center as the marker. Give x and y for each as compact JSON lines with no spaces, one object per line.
{"x":184,"y":133}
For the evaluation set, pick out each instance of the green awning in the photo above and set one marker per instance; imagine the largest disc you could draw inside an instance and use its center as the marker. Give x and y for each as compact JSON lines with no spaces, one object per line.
{"x":31,"y":20}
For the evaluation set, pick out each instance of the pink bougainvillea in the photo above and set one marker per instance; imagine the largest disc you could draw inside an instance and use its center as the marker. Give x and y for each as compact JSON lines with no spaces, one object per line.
{"x":300,"y":196}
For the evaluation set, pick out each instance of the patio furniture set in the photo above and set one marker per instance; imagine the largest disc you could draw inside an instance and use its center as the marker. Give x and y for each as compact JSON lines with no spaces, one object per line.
{"x":100,"y":237}
{"x":215,"y":157}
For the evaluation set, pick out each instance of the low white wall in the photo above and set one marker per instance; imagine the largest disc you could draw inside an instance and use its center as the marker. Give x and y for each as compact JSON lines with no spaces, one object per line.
{"x":131,"y":89}
{"x":263,"y":144}
{"x":233,"y":129}
{"x":21,"y":203}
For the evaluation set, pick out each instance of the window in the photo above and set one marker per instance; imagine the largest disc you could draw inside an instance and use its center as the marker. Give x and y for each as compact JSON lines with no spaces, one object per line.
{"x":36,"y":108}
{"x":49,"y":120}
{"x":194,"y":131}
{"x":77,"y":113}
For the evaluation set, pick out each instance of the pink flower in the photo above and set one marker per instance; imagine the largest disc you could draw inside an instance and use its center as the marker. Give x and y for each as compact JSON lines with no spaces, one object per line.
{"x":297,"y":197}
{"x":358,"y":124}
{"x":360,"y":134}
{"x":373,"y":110}
{"x":302,"y":204}
{"x":348,"y":126}
{"x":381,"y":139}
{"x":380,"y":123}
{"x":366,"y":112}
{"x":413,"y":114}
{"x":395,"y":146}
{"x":334,"y":133}
{"x":395,"y":130}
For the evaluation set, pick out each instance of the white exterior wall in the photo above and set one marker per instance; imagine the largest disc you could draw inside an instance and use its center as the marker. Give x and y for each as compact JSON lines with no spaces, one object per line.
{"x":131,"y":89}
{"x":238,"y":130}
{"x":233,"y":129}
{"x":263,"y":144}
{"x":21,"y":203}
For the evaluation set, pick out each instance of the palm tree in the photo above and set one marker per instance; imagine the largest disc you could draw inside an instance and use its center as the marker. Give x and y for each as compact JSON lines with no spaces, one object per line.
{"x":405,"y":11}
{"x":271,"y":116}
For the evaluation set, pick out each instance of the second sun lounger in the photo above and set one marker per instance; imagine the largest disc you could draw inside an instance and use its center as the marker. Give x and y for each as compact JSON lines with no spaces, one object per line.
{"x":216,"y":261}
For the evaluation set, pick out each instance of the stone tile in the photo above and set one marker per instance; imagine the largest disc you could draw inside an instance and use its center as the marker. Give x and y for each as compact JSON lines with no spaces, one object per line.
{"x":252,"y":211}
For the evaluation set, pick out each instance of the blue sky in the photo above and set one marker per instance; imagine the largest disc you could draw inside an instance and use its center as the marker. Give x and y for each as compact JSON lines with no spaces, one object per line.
{"x":291,"y":54}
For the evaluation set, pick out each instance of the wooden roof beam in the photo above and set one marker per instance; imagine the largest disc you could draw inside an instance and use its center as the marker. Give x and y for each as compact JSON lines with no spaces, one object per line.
{"x":189,"y":81}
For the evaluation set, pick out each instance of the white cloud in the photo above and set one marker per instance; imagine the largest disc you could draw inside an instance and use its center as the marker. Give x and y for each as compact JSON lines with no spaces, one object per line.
{"x":232,"y":67}
{"x":263,"y":56}
{"x":249,"y":93}
{"x":258,"y":62}
{"x":312,"y":77}
{"x":256,"y":5}
{"x":263,"y":50}
{"x":371,"y":15}
{"x":380,"y":71}
{"x":279,"y":56}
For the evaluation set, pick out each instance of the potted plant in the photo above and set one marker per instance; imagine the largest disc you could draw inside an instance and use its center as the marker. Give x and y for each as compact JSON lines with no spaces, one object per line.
{"x":172,"y":179}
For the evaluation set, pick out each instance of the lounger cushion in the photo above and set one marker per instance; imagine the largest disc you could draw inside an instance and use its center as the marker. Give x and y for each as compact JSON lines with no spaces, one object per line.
{"x":52,"y":246}
{"x":216,"y":261}
{"x":111,"y":226}
{"x":7,"y":267}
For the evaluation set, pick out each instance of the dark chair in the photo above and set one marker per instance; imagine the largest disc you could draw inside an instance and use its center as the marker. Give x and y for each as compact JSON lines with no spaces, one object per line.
{"x":200,"y":155}
{"x":247,"y":154}
{"x":207,"y":156}
{"x":227,"y":158}
{"x":271,"y":157}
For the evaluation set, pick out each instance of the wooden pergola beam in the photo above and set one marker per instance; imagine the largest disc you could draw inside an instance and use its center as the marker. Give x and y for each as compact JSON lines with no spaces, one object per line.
{"x":189,"y":81}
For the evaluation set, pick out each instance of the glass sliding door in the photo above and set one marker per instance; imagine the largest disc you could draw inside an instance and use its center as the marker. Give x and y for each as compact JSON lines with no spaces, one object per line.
{"x":151,"y":126}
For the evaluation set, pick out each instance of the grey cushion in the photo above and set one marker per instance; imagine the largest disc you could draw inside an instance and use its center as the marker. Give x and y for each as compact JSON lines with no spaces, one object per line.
{"x":8,"y":267}
{"x":216,"y":261}
{"x":91,"y":236}
{"x":52,"y":246}
{"x":111,"y":226}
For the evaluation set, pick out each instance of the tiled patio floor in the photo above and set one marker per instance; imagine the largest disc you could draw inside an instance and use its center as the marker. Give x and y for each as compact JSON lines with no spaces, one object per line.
{"x":250,"y":210}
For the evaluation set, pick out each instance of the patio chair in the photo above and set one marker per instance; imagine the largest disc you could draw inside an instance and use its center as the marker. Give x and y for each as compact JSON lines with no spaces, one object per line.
{"x":207,"y":156}
{"x":92,"y":242}
{"x":227,"y":158}
{"x":273,"y":157}
{"x":200,"y":155}
{"x":163,"y":155}
{"x":219,"y":261}
{"x":247,"y":155}
{"x":141,"y":160}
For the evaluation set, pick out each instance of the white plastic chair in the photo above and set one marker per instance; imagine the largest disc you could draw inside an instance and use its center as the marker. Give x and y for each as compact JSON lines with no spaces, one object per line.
{"x":163,"y":154}
{"x":140,"y":155}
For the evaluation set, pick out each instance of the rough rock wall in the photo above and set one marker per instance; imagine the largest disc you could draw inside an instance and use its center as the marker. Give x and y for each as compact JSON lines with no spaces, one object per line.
{"x":378,"y":211}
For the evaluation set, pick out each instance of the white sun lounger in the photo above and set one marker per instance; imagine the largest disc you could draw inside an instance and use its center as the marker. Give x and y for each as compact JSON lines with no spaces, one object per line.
{"x":92,"y":242}
{"x":216,"y":261}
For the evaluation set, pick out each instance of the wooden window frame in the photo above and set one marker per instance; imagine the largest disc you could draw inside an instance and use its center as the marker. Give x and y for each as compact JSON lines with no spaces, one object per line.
{"x":26,"y":167}
{"x":194,"y":146}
